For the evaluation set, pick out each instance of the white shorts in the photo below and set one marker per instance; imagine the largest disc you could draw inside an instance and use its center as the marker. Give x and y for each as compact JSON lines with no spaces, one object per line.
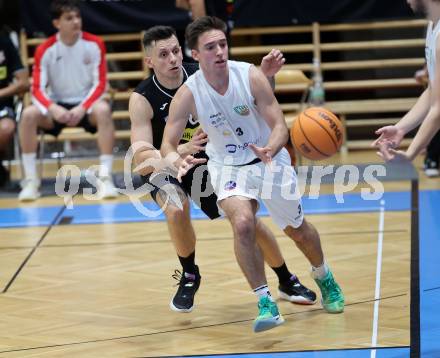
{"x":275,"y":185}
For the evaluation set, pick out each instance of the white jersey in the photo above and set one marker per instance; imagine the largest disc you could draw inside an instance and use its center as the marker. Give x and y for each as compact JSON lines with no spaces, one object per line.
{"x":231,"y":121}
{"x":69,"y":74}
{"x":430,"y":49}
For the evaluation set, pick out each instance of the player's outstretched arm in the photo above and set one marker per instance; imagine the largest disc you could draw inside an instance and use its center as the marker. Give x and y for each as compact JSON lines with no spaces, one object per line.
{"x":391,"y":136}
{"x":431,"y":122}
{"x":146,"y":156}
{"x":181,"y":107}
{"x":270,"y":110}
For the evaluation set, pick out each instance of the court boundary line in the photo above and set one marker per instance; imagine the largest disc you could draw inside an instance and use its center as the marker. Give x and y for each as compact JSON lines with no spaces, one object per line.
{"x":380,"y":238}
{"x":193,"y":328}
{"x":28,"y":257}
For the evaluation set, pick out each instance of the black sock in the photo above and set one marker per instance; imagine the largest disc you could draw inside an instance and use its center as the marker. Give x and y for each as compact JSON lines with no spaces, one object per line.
{"x":188,"y":263}
{"x":283,"y":273}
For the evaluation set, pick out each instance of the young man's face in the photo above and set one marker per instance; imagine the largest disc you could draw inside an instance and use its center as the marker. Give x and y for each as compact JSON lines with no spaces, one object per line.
{"x":165,"y":57}
{"x":212,"y":50}
{"x":69,"y":23}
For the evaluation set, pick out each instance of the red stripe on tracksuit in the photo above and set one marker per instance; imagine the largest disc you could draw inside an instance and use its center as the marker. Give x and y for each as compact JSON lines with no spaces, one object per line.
{"x":37,"y":90}
{"x":102,"y":75}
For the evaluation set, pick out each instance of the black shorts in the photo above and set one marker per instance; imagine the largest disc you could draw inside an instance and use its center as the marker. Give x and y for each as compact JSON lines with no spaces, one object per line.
{"x":196,"y":184}
{"x":84,"y":123}
{"x":7,"y":112}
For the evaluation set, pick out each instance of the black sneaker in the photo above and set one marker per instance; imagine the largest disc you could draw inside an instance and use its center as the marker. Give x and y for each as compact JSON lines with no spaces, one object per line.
{"x":295,"y":292}
{"x":431,"y":167}
{"x":183,"y":300}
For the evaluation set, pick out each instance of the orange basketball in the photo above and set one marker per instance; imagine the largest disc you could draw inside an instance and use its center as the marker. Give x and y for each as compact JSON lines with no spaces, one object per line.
{"x":317,"y":133}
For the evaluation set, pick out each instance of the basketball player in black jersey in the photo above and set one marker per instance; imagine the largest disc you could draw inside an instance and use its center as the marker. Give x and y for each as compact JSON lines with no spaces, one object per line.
{"x":148,"y":107}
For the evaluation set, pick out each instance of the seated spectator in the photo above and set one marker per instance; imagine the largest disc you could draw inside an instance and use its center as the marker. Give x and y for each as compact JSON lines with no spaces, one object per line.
{"x":69,"y":80}
{"x":14,"y":80}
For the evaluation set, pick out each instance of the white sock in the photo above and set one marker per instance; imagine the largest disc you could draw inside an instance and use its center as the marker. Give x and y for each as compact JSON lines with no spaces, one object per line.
{"x":106,"y":164}
{"x":30,"y":165}
{"x":262,"y":291}
{"x":321,"y":271}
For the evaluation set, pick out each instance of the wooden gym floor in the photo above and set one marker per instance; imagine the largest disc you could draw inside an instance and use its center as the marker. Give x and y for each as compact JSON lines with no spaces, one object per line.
{"x":95,"y":281}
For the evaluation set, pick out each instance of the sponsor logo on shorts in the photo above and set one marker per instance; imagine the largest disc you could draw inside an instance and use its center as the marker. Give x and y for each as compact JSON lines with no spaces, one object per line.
{"x":230,"y":185}
{"x":299,"y":212}
{"x":242,"y":110}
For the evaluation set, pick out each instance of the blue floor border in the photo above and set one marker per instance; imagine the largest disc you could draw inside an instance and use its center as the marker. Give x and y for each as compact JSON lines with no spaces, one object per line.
{"x":108,"y":212}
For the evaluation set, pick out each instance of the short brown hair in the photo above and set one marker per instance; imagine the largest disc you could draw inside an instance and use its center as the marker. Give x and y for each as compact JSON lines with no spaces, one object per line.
{"x":58,"y":7}
{"x":157,"y":33}
{"x":200,"y":26}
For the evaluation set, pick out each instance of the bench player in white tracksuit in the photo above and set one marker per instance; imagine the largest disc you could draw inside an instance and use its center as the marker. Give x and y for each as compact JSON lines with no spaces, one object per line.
{"x":246,"y":129}
{"x":69,"y":79}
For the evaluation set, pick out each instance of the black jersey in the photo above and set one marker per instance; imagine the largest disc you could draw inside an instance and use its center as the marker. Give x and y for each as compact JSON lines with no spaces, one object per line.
{"x":160,"y":99}
{"x":9,"y":64}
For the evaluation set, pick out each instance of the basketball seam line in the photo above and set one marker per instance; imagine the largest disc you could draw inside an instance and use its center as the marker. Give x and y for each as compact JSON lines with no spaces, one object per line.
{"x":319,"y":124}
{"x":308,"y":140}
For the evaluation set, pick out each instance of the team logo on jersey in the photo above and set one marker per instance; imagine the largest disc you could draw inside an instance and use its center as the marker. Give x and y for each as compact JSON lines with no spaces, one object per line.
{"x":230,"y":185}
{"x":188,"y":133}
{"x":163,"y":106}
{"x":226,"y":133}
{"x":2,"y":57}
{"x":242,"y":110}
{"x":3,"y":72}
{"x":192,"y":120}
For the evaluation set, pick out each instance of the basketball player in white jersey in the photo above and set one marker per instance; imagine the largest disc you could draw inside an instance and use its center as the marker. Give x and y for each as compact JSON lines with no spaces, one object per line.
{"x":148,"y":107}
{"x":246,"y":129}
{"x":426,"y":111}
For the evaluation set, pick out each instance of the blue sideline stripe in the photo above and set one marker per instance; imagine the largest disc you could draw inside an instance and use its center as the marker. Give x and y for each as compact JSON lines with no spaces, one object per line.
{"x":21,"y":217}
{"x":126,"y":212}
{"x":346,"y":353}
{"x":429,"y":275}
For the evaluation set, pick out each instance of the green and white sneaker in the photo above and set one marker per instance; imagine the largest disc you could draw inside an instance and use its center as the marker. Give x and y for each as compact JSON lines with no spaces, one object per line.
{"x":332,"y":297}
{"x":268,"y":317}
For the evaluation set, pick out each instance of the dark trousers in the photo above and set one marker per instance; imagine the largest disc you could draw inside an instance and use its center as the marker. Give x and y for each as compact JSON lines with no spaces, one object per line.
{"x":433,"y":149}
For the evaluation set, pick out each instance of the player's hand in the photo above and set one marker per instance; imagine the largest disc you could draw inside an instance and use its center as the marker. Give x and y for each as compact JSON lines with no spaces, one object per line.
{"x":391,"y":134}
{"x":272,"y":63}
{"x":76,"y":114}
{"x":394,"y":155}
{"x":389,"y":138}
{"x":264,"y":153}
{"x":188,"y":163}
{"x":198,"y":141}
{"x":59,"y":114}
